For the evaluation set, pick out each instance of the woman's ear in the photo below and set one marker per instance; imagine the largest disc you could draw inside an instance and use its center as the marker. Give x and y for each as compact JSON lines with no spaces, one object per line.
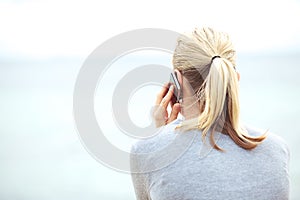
{"x":179,"y":76}
{"x":238,"y":76}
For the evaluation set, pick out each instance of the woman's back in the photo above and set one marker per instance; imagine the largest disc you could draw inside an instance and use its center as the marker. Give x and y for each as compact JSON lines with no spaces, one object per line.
{"x":206,"y":173}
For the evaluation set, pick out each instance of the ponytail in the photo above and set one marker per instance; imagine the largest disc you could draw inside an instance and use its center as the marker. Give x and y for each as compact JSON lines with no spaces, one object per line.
{"x":215,"y":90}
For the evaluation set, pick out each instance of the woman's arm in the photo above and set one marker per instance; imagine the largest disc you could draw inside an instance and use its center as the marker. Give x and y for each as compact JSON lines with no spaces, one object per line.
{"x":161,"y":117}
{"x":139,"y":180}
{"x":140,"y":188}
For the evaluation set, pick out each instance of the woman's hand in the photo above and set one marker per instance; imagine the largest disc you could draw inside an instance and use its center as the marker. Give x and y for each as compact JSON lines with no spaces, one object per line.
{"x":160,"y":113}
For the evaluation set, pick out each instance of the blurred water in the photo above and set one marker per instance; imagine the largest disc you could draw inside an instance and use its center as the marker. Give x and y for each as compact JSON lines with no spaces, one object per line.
{"x":40,"y":152}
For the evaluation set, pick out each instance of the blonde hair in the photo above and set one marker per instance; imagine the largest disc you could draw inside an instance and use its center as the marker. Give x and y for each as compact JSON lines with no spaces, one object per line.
{"x":206,"y":58}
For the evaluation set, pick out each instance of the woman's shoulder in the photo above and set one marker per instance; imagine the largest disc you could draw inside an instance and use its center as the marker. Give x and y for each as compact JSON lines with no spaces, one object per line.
{"x":162,"y":137}
{"x":160,"y":150}
{"x":273,"y":140}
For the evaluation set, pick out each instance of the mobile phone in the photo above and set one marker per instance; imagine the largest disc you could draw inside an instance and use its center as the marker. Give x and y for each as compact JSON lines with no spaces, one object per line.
{"x":177,"y":93}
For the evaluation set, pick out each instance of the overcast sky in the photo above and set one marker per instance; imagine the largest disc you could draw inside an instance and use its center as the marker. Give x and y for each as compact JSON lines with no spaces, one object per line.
{"x":43,"y":29}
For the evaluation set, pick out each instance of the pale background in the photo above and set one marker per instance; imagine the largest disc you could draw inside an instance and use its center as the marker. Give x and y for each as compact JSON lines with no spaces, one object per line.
{"x":44,"y":43}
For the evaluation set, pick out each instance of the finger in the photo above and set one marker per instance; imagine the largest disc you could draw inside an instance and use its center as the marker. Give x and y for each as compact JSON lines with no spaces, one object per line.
{"x":166,"y":100}
{"x":174,"y":113}
{"x":160,"y":116}
{"x":161,"y":94}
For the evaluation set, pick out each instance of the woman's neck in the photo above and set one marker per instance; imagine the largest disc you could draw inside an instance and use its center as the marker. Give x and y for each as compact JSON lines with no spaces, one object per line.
{"x":190,"y":108}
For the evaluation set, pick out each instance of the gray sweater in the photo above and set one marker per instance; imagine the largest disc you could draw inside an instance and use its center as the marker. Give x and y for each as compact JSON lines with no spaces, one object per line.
{"x":198,"y":171}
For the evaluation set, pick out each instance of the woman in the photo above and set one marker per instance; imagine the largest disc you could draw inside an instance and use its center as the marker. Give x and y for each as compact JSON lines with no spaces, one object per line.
{"x":241,"y":163}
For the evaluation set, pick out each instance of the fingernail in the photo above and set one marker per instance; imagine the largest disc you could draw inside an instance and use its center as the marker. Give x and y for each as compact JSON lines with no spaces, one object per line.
{"x":171,"y":87}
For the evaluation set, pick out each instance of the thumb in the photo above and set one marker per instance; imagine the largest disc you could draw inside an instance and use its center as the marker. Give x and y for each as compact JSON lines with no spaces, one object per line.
{"x":174,"y":113}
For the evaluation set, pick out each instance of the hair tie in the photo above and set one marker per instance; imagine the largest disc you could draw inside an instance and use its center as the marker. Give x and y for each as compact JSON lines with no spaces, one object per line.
{"x":212,"y":59}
